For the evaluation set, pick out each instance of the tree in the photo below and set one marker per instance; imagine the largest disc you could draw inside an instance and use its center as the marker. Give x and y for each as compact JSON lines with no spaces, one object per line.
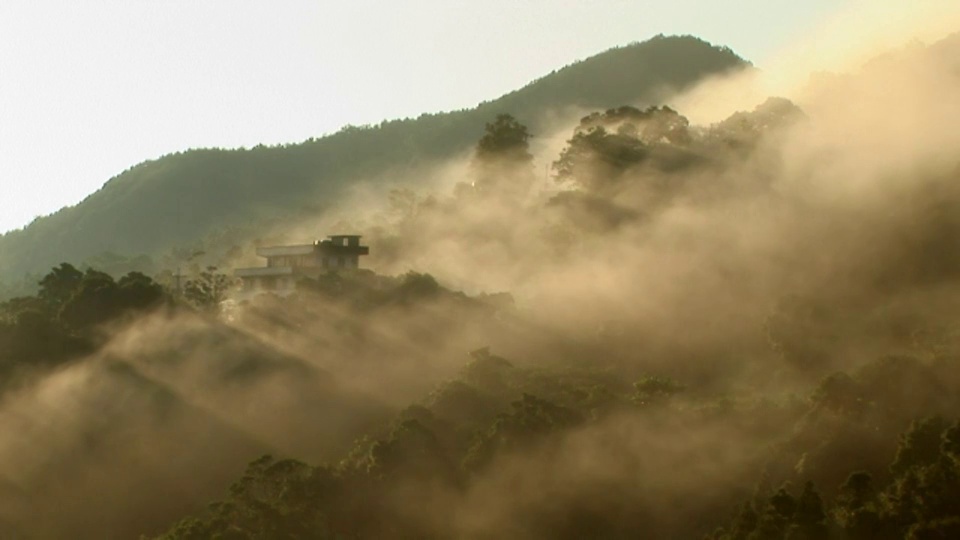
{"x":502,"y":160}
{"x":920,"y":445}
{"x":941,"y":529}
{"x":505,"y":139}
{"x":950,"y":447}
{"x":208,"y":289}
{"x":810,"y":521}
{"x":99,"y":299}
{"x":416,"y":286}
{"x":855,"y":507}
{"x":744,"y":130}
{"x":94,"y":301}
{"x":139,"y":291}
{"x":607,"y":145}
{"x":412,"y":450}
{"x":532,"y":421}
{"x":58,"y":285}
{"x":280,"y":499}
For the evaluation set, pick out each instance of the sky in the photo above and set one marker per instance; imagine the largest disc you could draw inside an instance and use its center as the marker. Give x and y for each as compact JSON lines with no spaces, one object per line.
{"x":89,"y":89}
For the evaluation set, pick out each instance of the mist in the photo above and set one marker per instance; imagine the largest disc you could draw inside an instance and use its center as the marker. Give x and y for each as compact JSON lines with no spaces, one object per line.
{"x":660,"y":300}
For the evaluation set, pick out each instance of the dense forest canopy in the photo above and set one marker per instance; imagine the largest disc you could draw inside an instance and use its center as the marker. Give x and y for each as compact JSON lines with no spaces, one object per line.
{"x":740,"y":330}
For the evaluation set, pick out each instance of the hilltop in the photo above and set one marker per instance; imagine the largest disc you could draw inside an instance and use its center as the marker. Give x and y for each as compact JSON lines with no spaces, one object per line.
{"x":159,"y":206}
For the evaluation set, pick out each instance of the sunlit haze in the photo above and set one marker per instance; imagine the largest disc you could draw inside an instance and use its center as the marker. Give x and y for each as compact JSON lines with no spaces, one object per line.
{"x":273,"y":293}
{"x":88,"y":89}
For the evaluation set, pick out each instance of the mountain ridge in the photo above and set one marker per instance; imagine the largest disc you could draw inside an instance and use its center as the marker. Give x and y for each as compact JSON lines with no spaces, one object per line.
{"x":170,"y":202}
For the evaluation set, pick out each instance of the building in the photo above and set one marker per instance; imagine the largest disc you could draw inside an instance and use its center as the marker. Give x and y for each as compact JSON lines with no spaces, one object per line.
{"x":287,"y":264}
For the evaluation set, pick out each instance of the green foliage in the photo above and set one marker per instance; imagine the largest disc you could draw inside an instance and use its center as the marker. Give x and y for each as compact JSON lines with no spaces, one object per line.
{"x":273,"y":500}
{"x":810,"y":520}
{"x":922,"y":499}
{"x":920,"y":445}
{"x":505,"y":139}
{"x":31,"y":338}
{"x":781,"y":517}
{"x":367,"y":291}
{"x":941,"y":529}
{"x":232,"y":195}
{"x":61,"y":322}
{"x":744,"y":130}
{"x":555,"y":442}
{"x":606,"y":146}
{"x":857,"y":509}
{"x":414,"y":286}
{"x":411,"y":450}
{"x":60,"y":284}
{"x":951,"y":442}
{"x":459,"y":423}
{"x":99,"y":299}
{"x":529,"y":422}
{"x":502,"y":161}
{"x":208,"y":289}
{"x":652,"y":389}
{"x":487,"y":370}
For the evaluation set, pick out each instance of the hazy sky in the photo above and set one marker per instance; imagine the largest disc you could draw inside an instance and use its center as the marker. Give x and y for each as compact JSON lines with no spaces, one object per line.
{"x":88,"y":89}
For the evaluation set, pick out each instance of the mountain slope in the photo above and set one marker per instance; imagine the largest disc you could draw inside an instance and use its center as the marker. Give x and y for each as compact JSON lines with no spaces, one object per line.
{"x":171,"y":201}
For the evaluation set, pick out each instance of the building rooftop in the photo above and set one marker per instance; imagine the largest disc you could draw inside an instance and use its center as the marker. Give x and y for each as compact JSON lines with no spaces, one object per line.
{"x":278,"y":251}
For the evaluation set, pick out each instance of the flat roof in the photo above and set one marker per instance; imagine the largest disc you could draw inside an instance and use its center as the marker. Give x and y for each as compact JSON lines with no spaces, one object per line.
{"x":279,"y":251}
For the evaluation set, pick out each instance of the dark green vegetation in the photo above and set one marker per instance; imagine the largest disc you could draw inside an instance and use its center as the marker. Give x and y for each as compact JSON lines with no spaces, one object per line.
{"x":56,"y":325}
{"x":744,"y":330}
{"x":127,"y":405}
{"x":488,"y":431}
{"x":221,"y":198}
{"x":797,"y":378}
{"x":917,"y":497}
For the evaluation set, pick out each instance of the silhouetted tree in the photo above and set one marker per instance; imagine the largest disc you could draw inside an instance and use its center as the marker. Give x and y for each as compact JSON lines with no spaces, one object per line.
{"x":58,"y":285}
{"x":502,"y":159}
{"x":607,"y":145}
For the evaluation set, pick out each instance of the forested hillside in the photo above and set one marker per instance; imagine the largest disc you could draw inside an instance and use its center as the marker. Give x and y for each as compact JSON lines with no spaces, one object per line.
{"x":746,"y":330}
{"x":183,"y":198}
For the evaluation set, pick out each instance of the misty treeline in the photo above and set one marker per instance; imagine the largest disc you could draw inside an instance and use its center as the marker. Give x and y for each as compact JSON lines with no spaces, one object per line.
{"x":739,"y":330}
{"x":127,"y":404}
{"x":151,"y":216}
{"x":63,"y":320}
{"x":744,"y":329}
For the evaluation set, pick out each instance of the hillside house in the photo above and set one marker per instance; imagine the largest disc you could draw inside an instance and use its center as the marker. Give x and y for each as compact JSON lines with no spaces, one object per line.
{"x":287,"y":264}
